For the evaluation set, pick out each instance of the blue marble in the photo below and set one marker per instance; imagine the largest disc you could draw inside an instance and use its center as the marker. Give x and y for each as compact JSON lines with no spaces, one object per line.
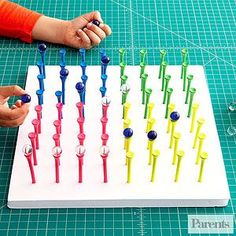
{"x":42,"y":47}
{"x":174,"y":116}
{"x":64,"y":72}
{"x":128,"y":132}
{"x":25,"y":98}
{"x":96,"y":22}
{"x":152,"y":135}
{"x":105,"y":59}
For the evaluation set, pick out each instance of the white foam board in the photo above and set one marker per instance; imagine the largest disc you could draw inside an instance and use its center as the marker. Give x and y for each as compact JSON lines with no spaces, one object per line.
{"x":164,"y":192}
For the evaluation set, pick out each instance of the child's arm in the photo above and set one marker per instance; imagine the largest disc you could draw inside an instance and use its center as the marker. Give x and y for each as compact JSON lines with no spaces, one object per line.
{"x":14,"y":116}
{"x":19,"y":22}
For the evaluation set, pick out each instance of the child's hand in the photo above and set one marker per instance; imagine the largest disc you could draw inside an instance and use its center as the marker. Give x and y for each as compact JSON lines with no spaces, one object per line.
{"x":14,"y":116}
{"x":82,"y":33}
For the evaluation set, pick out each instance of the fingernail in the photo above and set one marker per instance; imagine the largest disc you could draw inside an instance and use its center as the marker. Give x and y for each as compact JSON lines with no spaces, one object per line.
{"x":89,"y":24}
{"x":79,"y":30}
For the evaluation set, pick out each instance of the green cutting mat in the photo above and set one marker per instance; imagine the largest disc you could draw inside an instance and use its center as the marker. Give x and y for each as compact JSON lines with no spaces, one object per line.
{"x":206,"y":28}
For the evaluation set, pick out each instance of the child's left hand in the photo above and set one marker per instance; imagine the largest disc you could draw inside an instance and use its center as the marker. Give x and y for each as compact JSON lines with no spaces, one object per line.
{"x":14,"y":116}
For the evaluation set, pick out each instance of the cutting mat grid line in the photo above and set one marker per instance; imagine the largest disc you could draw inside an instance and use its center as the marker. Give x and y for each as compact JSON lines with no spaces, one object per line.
{"x":209,"y":28}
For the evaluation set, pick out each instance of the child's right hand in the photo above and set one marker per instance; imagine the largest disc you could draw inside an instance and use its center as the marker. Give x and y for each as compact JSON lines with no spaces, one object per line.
{"x":14,"y":116}
{"x":82,"y":33}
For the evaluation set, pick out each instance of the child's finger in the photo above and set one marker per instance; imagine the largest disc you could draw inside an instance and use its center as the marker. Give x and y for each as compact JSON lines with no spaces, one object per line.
{"x":84,"y":38}
{"x":13,"y":107}
{"x":18,"y":103}
{"x":6,"y":105}
{"x":3,"y":100}
{"x":105,"y":28}
{"x":98,"y":31}
{"x":12,"y":123}
{"x":14,"y":90}
{"x":93,"y":37}
{"x":8,"y":114}
{"x":95,"y":15}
